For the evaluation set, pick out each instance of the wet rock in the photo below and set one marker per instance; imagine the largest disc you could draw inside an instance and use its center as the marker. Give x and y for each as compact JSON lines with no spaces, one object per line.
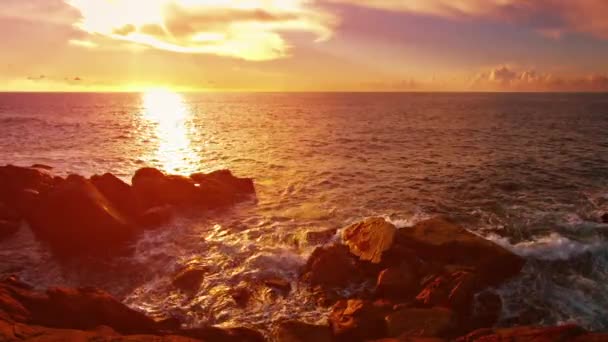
{"x":526,"y":333}
{"x":320,"y":237}
{"x":370,"y":238}
{"x":189,"y":279}
{"x":358,"y":320}
{"x":605,"y":218}
{"x":11,"y":331}
{"x":434,"y":322}
{"x":398,"y":283}
{"x":330,"y":267}
{"x":454,"y":290}
{"x":282,"y":285}
{"x":439,"y":240}
{"x":14,"y":179}
{"x":74,"y":218}
{"x":223,"y":335}
{"x":81,"y":309}
{"x":8,"y":228}
{"x":119,"y":193}
{"x":41,"y":167}
{"x":153,"y":189}
{"x":294,"y":331}
{"x":222,"y":187}
{"x":156,"y":216}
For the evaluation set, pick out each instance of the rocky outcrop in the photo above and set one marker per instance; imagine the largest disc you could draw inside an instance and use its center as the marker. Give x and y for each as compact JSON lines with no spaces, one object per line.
{"x":189,"y":279}
{"x":330,"y":267}
{"x":75,"y":218}
{"x":87,"y":313}
{"x":369,"y":239}
{"x":101,"y":215}
{"x":358,"y":320}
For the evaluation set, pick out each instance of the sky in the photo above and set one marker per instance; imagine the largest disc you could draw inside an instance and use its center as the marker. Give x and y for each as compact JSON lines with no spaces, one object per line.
{"x":304,"y":45}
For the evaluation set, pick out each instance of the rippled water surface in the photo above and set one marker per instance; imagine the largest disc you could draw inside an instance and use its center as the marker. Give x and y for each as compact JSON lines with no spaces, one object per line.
{"x":529,"y":171}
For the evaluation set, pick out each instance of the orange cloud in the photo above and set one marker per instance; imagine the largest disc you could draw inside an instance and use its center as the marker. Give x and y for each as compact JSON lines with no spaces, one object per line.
{"x":549,"y":17}
{"x":251,"y":30}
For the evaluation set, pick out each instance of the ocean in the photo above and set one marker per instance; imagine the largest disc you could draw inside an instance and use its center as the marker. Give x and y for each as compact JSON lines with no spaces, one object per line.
{"x":528,"y":171}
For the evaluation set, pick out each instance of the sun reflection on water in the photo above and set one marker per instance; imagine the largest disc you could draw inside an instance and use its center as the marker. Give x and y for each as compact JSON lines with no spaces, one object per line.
{"x":168,"y":112}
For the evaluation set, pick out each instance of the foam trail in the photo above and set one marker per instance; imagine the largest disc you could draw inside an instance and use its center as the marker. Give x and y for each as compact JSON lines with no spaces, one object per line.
{"x":551,"y":247}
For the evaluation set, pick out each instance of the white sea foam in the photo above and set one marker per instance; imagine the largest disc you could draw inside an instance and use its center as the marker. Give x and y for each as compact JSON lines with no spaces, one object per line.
{"x":550,"y":247}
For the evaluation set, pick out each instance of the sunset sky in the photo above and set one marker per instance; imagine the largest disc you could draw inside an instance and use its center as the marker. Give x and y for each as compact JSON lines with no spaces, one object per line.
{"x":304,"y":45}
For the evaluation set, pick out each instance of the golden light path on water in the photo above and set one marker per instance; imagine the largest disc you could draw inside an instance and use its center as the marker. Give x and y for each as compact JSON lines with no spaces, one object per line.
{"x":170,"y":115}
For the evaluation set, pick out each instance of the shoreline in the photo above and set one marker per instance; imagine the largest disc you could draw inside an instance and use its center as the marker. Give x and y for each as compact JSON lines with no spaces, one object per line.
{"x":432,"y":281}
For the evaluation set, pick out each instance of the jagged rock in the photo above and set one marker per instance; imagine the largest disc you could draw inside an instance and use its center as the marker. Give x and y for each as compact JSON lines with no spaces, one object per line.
{"x":189,"y":279}
{"x":75,"y":218}
{"x":527,"y":333}
{"x":454,"y":290}
{"x":222,"y":187}
{"x":434,"y":322}
{"x":156,"y":216}
{"x":119,"y":193}
{"x":223,"y":335}
{"x":331,"y":266}
{"x":294,"y":331}
{"x":398,"y":282}
{"x":441,"y":241}
{"x":358,"y":320}
{"x":370,"y":238}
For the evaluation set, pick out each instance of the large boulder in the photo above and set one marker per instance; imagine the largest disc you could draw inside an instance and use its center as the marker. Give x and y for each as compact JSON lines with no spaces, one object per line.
{"x":398,"y":283}
{"x":189,"y":279}
{"x":294,"y":331}
{"x":119,"y":193}
{"x":358,"y":320}
{"x":75,"y":218}
{"x":216,"y":189}
{"x":331,"y":267}
{"x":434,"y":322}
{"x":441,"y":241}
{"x":455,"y":290}
{"x":17,"y":182}
{"x":369,"y":239}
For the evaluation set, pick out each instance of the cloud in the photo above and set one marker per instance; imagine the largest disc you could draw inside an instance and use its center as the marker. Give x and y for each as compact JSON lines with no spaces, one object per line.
{"x":505,"y":78}
{"x":250,"y":30}
{"x":552,"y":18}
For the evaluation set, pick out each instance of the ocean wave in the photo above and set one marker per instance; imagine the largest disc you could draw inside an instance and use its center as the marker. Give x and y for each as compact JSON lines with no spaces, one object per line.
{"x":550,"y":247}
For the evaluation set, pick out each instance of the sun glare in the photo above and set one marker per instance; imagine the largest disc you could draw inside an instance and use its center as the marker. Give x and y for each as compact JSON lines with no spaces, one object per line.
{"x":167,"y":112}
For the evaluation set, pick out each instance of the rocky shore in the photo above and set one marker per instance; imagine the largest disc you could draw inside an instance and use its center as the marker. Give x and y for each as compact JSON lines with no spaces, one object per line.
{"x":434,"y":281}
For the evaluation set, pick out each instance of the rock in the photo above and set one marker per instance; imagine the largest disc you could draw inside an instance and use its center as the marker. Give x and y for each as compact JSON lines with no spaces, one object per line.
{"x":8,"y":213}
{"x":435,"y":322}
{"x":213,"y":334}
{"x":189,"y":279}
{"x":8,"y":228}
{"x":441,"y":241}
{"x":74,"y":218}
{"x":222,"y":186}
{"x":320,"y":237}
{"x":358,"y":320}
{"x":370,"y":238}
{"x":330,"y":267}
{"x":153,"y":189}
{"x":398,"y":282}
{"x":11,"y":331}
{"x":14,"y":179}
{"x":605,"y":218}
{"x":156,"y":216}
{"x":526,"y":333}
{"x":119,"y":193}
{"x":241,"y":295}
{"x":41,"y":167}
{"x":294,"y":331}
{"x":454,"y":290}
{"x":280,"y":284}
